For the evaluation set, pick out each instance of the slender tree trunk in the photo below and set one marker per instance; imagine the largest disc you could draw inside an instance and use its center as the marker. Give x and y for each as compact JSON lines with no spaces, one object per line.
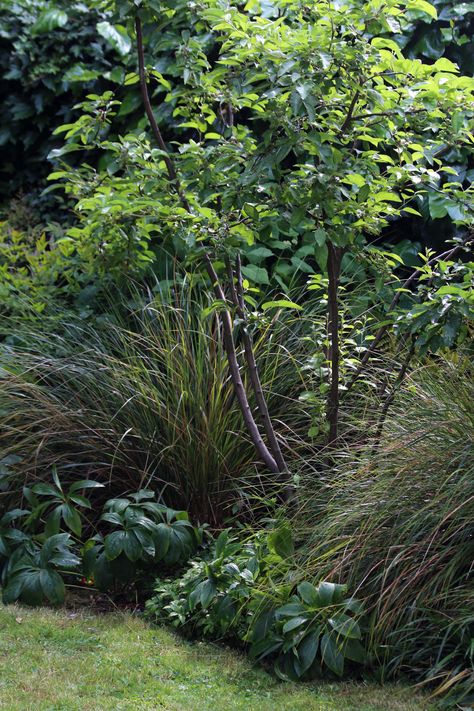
{"x":334,"y":267}
{"x":237,"y":294}
{"x":236,"y":377}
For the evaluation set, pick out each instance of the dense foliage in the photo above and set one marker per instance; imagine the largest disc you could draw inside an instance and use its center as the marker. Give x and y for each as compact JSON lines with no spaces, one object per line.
{"x":242,"y":591}
{"x":224,"y":303}
{"x":37,"y":554}
{"x":50,"y":54}
{"x":398,"y":528}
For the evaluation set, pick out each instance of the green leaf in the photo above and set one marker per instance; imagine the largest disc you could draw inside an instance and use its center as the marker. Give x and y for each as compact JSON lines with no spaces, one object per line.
{"x":53,"y":522}
{"x":385,"y":195}
{"x":308,"y":593}
{"x":259,"y":253}
{"x":49,"y":20}
{"x":31,"y":591}
{"x":114,"y":544}
{"x":354,"y":651}
{"x":146,"y":542}
{"x":80,"y":500}
{"x":320,"y":236}
{"x":52,"y":585}
{"x":162,"y":538}
{"x":280,"y":304}
{"x":307,"y":649}
{"x":354,"y":179}
{"x":412,"y":211}
{"x":257,"y":275}
{"x":12,"y":590}
{"x":346,"y":626}
{"x":72,"y":519}
{"x":445,"y":65}
{"x":221,"y":542}
{"x":290,"y":609}
{"x":45,"y":490}
{"x":331,"y":655}
{"x":321,"y":256}
{"x":280,"y":541}
{"x":294,"y":623}
{"x":328,"y":593}
{"x":207,"y":592}
{"x":85,"y":484}
{"x":116,"y":36}
{"x":78,"y":72}
{"x":438,"y":205}
{"x":132,"y":546}
{"x":425,"y":7}
{"x":264,"y":647}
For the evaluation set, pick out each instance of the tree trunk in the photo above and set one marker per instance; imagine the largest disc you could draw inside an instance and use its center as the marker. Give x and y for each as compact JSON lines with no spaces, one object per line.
{"x":334,"y":267}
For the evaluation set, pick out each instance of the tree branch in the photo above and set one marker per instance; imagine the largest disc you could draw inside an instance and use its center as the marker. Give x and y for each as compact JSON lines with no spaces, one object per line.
{"x":350,"y":111}
{"x":237,"y":382}
{"x":151,"y":117}
{"x":383,"y":329}
{"x":227,"y":326}
{"x":391,"y":396}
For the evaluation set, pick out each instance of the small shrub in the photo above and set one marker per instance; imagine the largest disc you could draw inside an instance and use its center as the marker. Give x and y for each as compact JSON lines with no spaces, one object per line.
{"x":36,"y":558}
{"x":34,"y":572}
{"x":145,"y":534}
{"x":242,"y":591}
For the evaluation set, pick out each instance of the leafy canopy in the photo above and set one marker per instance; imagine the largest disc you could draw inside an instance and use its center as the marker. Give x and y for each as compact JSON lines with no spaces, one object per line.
{"x":305,"y":124}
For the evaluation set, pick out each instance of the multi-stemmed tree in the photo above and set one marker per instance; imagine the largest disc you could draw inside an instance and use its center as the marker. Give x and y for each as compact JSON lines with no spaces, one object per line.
{"x":296,"y":121}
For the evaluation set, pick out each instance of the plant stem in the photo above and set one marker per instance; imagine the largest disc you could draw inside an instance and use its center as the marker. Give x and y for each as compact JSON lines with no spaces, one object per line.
{"x":334,"y":268}
{"x":236,"y":377}
{"x":391,"y":395}
{"x":151,"y":117}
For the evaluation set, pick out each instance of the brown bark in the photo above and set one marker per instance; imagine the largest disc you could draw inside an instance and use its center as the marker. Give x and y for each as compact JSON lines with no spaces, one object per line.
{"x":238,"y":299}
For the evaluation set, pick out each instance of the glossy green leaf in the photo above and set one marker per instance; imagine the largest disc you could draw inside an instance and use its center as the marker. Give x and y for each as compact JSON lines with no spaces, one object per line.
{"x":331,"y":656}
{"x":116,"y":36}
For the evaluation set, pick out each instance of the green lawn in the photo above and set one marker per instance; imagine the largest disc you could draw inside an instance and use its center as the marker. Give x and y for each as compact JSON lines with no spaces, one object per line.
{"x":63,"y":661}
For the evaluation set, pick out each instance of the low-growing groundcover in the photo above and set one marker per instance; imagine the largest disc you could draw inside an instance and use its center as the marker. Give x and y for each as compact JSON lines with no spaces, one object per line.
{"x":67,"y":660}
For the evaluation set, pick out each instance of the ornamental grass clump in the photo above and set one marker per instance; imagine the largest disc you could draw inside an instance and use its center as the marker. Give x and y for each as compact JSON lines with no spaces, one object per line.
{"x":398,"y":528}
{"x":140,"y":400}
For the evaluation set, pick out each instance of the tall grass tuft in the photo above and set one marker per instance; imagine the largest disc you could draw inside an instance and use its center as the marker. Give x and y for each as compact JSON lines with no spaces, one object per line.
{"x":397,"y":525}
{"x":143,"y":400}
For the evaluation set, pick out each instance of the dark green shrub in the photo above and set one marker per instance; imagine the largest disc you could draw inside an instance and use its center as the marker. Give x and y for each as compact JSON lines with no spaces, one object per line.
{"x":34,"y":572}
{"x":147,"y":535}
{"x":37,"y":557}
{"x":242,"y":591}
{"x":51,"y":54}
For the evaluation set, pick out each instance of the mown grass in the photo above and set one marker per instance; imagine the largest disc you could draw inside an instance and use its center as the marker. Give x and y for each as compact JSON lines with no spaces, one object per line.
{"x":68,"y":661}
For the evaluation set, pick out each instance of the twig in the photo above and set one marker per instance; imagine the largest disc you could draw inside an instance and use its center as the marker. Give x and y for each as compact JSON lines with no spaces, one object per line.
{"x":391,"y":396}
